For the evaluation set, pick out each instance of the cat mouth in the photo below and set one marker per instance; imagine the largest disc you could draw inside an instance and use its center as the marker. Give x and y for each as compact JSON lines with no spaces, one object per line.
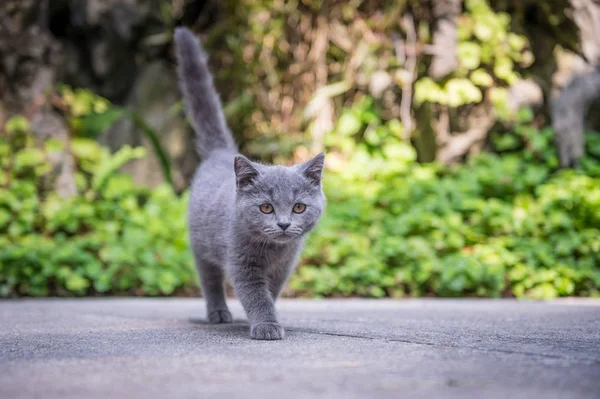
{"x":285,"y":237}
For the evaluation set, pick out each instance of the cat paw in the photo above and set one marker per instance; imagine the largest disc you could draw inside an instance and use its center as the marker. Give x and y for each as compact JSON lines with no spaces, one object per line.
{"x":266,"y":331}
{"x":220,"y":316}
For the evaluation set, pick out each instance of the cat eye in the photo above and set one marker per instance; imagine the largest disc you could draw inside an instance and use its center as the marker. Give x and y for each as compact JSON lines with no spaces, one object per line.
{"x":266,"y":208}
{"x":299,"y":208}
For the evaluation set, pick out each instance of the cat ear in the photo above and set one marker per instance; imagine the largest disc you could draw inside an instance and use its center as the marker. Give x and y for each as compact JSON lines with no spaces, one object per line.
{"x":245,"y":172}
{"x":313,"y":169}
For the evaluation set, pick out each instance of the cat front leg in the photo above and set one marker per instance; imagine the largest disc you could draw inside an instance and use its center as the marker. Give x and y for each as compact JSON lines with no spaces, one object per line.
{"x":211,"y":281}
{"x":252,"y":288}
{"x":278,"y":277}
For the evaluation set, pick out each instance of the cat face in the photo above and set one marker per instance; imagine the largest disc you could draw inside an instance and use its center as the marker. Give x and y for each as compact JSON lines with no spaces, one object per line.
{"x":279,"y":203}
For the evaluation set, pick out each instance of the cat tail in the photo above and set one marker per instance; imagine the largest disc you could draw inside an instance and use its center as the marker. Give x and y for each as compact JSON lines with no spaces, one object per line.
{"x":203,"y":106}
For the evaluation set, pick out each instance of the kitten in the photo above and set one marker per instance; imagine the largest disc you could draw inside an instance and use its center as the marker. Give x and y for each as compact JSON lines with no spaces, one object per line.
{"x":245,"y":218}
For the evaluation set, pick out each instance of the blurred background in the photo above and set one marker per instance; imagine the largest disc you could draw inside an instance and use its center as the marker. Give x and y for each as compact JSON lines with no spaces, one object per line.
{"x":461,"y":153}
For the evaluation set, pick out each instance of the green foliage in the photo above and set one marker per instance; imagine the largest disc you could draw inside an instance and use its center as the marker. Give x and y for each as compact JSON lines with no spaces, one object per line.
{"x":487,"y":53}
{"x":91,"y":115}
{"x":507,"y":223}
{"x":282,"y":86}
{"x":113,"y":237}
{"x":504,"y":224}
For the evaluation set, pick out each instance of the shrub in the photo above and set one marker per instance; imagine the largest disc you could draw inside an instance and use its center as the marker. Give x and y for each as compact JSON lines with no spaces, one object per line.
{"x":503,"y":224}
{"x":114,"y":237}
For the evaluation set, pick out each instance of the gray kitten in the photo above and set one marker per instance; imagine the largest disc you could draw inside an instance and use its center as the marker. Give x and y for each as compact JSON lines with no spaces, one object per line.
{"x":245,"y":218}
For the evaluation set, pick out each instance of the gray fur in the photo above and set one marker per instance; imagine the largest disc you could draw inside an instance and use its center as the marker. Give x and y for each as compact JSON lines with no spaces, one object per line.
{"x":228,"y":231}
{"x":204,"y":111}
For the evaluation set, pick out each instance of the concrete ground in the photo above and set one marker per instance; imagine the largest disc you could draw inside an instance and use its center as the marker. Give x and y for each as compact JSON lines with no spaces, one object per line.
{"x":161,"y":348}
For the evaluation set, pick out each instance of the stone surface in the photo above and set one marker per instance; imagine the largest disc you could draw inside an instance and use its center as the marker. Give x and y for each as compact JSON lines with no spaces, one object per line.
{"x":154,"y":96}
{"x":130,"y":348}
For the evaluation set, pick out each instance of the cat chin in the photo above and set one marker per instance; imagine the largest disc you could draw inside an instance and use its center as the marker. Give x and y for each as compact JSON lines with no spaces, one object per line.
{"x":284,"y":238}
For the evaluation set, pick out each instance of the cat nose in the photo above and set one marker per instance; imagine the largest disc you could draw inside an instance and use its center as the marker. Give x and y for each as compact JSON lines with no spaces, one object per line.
{"x":283,"y":226}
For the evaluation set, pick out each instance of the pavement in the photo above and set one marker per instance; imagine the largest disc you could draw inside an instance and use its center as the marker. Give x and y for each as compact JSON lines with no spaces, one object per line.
{"x":162,"y":348}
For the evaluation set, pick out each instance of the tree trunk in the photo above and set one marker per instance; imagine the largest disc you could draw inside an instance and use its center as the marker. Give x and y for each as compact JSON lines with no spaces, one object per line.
{"x":111,"y":47}
{"x":424,"y":137}
{"x":570,"y":108}
{"x":445,"y":37}
{"x":569,"y":113}
{"x":429,"y":140}
{"x":29,"y":57}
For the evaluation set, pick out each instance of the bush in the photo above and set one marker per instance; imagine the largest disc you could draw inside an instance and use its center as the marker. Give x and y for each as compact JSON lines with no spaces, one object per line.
{"x":114,"y":237}
{"x":504,"y":224}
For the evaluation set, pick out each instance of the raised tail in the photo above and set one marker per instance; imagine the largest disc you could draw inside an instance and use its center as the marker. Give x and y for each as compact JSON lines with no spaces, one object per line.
{"x":203,"y":106}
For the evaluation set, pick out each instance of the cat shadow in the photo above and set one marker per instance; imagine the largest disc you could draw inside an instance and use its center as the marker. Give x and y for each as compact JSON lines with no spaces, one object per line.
{"x":195,"y":320}
{"x":238,"y":327}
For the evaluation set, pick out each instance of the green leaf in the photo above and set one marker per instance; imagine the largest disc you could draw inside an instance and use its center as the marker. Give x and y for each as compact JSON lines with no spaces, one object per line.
{"x":483,"y":29}
{"x":165,"y":163}
{"x":166,"y":283}
{"x":29,"y":157}
{"x":112,"y":164}
{"x":462,"y":91}
{"x":76,"y":283}
{"x":516,"y":42}
{"x":504,"y":69}
{"x":469,"y":55}
{"x":54,"y":145}
{"x":5,"y":218}
{"x":525,"y":115}
{"x":499,"y":98}
{"x":348,"y":124}
{"x":17,"y":124}
{"x":92,"y":125}
{"x":481,"y":78}
{"x":426,"y":90}
{"x":544,"y":291}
